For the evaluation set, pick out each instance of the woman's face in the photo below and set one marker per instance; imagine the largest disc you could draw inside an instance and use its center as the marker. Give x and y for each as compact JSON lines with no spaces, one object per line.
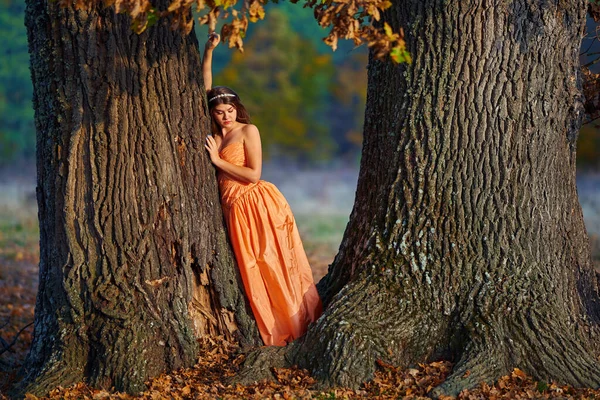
{"x":225,"y":115}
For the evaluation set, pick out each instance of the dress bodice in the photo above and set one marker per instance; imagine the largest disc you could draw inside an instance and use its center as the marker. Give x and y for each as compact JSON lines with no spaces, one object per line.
{"x":231,"y":189}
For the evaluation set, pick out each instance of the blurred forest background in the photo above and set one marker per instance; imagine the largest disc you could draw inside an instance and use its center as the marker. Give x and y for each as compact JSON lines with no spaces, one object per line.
{"x":307,"y":100}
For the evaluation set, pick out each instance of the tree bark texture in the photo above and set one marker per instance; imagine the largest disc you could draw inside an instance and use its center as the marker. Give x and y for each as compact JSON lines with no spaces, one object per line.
{"x":467,"y":241}
{"x":134,"y":261}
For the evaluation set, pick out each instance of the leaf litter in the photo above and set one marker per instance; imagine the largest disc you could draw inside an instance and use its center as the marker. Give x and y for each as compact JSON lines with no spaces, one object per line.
{"x":220,"y":360}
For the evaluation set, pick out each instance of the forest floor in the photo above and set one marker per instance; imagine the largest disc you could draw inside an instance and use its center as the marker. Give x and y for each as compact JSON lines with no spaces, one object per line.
{"x":322,"y":215}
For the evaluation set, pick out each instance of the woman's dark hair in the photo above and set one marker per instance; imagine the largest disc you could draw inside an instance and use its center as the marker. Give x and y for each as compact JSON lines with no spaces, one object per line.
{"x":224,"y":95}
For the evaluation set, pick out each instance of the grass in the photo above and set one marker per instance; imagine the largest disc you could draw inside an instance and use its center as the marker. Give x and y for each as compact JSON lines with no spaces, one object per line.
{"x":318,"y":230}
{"x":19,"y":229}
{"x":321,"y":236}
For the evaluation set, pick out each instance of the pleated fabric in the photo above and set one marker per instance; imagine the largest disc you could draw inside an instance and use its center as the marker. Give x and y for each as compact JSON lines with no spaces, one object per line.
{"x":272,"y":262}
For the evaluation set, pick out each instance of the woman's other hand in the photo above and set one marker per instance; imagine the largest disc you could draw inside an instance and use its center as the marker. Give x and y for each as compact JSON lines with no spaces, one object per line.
{"x":213,"y":41}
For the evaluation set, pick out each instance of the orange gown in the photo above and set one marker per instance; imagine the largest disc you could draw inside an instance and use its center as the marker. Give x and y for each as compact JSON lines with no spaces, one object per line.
{"x":272,"y":262}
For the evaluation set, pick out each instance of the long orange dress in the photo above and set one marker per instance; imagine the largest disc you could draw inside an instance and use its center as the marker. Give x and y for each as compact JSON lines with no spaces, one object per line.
{"x":272,"y":262}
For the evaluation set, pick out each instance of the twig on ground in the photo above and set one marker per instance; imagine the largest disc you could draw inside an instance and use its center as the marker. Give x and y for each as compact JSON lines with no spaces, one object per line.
{"x":8,"y":346}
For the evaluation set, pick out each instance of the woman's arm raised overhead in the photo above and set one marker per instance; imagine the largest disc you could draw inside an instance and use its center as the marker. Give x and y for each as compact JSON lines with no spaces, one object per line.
{"x":251,"y":172}
{"x":211,"y":43}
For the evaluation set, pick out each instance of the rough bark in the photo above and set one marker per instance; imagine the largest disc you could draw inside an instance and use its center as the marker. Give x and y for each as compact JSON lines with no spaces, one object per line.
{"x":134,"y":262}
{"x":467,"y":240}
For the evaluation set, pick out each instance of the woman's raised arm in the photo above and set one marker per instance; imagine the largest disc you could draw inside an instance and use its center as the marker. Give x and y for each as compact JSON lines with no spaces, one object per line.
{"x":211,"y":43}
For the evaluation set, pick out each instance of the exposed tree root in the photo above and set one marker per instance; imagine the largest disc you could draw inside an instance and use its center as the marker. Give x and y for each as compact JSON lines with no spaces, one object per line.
{"x":474,"y":367}
{"x":58,"y":375}
{"x":259,"y":365}
{"x":552,"y":352}
{"x":348,"y":360}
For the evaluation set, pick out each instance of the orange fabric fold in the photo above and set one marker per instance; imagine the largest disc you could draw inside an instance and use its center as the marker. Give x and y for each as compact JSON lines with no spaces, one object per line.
{"x":268,"y":249}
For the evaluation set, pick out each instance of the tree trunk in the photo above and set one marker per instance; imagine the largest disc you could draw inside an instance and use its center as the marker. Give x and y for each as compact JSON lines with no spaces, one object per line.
{"x":467,"y":240}
{"x":134,"y":261}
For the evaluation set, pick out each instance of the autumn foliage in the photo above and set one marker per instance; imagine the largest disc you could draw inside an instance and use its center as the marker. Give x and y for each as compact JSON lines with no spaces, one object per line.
{"x":356,"y":20}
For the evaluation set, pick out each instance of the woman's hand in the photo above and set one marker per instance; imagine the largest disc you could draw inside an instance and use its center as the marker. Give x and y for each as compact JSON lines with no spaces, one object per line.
{"x":213,"y":149}
{"x":213,"y":41}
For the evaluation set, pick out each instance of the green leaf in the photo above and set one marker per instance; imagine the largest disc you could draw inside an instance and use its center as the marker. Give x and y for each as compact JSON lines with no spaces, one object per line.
{"x":542,"y":386}
{"x":152,"y":17}
{"x":399,"y":55}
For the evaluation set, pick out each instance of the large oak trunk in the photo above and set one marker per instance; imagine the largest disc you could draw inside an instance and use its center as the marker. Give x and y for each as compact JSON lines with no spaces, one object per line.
{"x":134,"y":262}
{"x":467,"y":240}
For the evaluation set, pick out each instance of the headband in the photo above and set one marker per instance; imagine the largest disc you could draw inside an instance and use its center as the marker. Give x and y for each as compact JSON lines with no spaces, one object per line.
{"x":221,"y":95}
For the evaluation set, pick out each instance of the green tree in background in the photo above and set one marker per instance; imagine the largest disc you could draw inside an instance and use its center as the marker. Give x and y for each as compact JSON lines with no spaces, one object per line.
{"x":284,"y":82}
{"x":320,"y":102}
{"x":17,"y":132}
{"x":348,"y":98}
{"x":344,"y":102}
{"x":302,"y":21}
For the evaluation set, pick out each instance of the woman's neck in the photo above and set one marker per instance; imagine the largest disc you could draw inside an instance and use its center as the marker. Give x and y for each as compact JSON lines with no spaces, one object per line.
{"x":228,"y":130}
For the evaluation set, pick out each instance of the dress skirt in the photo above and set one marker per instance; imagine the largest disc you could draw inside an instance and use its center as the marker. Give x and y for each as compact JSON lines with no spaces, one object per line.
{"x":272,"y":262}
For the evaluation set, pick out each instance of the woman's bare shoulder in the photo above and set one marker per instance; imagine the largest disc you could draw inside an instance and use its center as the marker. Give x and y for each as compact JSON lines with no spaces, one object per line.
{"x":250,"y":131}
{"x":250,"y":128}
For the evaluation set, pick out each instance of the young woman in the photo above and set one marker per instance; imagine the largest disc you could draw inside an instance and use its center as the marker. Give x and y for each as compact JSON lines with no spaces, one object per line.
{"x":272,"y":262}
